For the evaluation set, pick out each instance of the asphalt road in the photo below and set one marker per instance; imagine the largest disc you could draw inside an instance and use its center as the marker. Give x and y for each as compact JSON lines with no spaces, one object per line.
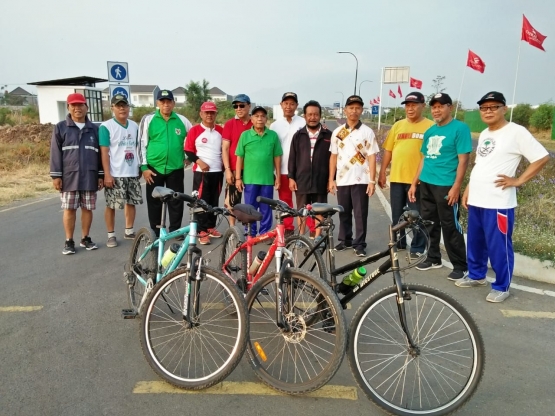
{"x":75,"y":355}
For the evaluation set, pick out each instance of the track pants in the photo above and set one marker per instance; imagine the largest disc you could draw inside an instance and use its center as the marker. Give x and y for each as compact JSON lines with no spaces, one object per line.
{"x":209,"y":187}
{"x":399,"y":199}
{"x":285,"y":194}
{"x":355,"y":201}
{"x":250,"y":193}
{"x":174,"y":181}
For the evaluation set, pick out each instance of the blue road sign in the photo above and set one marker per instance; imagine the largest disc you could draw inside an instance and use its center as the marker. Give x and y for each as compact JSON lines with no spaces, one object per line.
{"x":119,"y":89}
{"x":336,"y":105}
{"x":118,"y":72}
{"x":375,"y":110}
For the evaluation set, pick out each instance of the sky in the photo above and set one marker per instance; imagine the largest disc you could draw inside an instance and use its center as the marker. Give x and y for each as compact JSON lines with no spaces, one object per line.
{"x":265,"y":48}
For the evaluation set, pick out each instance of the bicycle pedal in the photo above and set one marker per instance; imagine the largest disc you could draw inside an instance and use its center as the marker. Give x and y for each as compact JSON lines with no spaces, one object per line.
{"x":129,"y":313}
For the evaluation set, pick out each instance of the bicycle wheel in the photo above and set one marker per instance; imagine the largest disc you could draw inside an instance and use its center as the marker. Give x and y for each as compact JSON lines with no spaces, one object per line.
{"x":300,"y":246}
{"x":437,"y":379}
{"x":198,"y":355}
{"x":146,"y":268}
{"x":307,"y":356}
{"x":237,"y":267}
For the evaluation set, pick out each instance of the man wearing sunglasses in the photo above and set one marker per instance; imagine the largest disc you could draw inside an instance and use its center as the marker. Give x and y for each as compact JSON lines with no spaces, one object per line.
{"x":490,"y":196}
{"x":233,"y":129}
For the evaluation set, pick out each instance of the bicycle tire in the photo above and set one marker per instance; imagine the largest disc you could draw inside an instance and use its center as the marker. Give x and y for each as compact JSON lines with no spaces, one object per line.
{"x":300,"y":246}
{"x":432,"y":382}
{"x":168,"y":343}
{"x":237,"y":268}
{"x":275,"y":356}
{"x":146,"y":267}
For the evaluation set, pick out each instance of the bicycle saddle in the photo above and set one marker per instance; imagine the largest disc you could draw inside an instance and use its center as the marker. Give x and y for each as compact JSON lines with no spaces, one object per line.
{"x":162,"y":193}
{"x":247,"y":214}
{"x":322,"y":209}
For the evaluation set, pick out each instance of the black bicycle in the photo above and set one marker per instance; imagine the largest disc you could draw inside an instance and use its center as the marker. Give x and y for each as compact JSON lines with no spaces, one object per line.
{"x":413,"y":349}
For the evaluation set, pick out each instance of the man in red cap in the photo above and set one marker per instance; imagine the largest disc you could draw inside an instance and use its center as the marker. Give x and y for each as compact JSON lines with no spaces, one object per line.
{"x":203,"y":147}
{"x":76,"y":169}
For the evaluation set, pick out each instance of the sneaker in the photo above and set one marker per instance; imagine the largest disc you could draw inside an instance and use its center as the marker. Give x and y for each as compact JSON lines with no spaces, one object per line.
{"x":497,"y":296}
{"x":214,"y":233}
{"x":289,"y":233}
{"x":129,"y":236}
{"x":468,"y":282}
{"x":204,"y":238}
{"x":342,"y":246}
{"x":456,"y":275}
{"x":69,"y":247}
{"x":112,"y":242}
{"x":414,"y":256}
{"x":360,"y":252}
{"x":427,"y":265}
{"x":88,"y":243}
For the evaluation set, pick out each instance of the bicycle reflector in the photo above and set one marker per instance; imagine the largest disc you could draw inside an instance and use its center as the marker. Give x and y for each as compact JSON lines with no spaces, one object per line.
{"x":260,"y":351}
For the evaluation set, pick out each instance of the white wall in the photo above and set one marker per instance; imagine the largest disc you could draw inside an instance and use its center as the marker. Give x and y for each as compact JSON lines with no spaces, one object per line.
{"x":51,"y":100}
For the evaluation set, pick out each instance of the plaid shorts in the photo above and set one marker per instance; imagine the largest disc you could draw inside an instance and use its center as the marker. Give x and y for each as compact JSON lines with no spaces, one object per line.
{"x":125,"y":191}
{"x":76,"y":199}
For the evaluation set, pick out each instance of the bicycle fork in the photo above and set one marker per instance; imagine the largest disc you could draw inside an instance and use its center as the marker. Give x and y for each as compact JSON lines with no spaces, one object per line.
{"x":281,"y":291}
{"x":414,"y":350}
{"x":190,"y":309}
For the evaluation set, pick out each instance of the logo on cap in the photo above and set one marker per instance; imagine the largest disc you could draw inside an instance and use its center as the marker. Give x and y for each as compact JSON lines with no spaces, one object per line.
{"x":164,"y":93}
{"x":438,"y":95}
{"x":411,"y":96}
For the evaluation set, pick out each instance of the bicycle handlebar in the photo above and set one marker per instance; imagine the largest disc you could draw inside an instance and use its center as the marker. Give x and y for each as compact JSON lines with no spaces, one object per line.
{"x":280,"y":206}
{"x":410,"y":217}
{"x":200,"y":203}
{"x":184,"y":197}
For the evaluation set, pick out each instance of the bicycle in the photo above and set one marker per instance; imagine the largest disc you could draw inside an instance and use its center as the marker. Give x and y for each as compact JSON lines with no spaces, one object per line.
{"x":194,"y":323}
{"x":297,"y":333}
{"x":413,"y":349}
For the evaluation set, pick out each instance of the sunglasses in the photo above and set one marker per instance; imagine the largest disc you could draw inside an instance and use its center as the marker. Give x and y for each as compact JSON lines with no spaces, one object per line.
{"x":239,"y":106}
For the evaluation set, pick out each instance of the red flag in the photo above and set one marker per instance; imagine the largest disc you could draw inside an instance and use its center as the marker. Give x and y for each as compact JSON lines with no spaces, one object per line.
{"x":399,"y":90}
{"x":391,"y":94}
{"x":531,"y":35}
{"x":415,"y":83}
{"x":475,"y":62}
{"x":378,"y":99}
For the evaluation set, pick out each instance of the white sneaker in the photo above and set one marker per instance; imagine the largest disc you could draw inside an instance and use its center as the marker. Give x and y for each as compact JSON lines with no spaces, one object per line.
{"x":497,"y":296}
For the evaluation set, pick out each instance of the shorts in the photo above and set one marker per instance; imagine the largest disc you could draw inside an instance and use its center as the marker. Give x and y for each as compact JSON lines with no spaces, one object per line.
{"x":125,"y":191}
{"x":76,"y":199}
{"x":232,"y":196}
{"x":303,"y":199}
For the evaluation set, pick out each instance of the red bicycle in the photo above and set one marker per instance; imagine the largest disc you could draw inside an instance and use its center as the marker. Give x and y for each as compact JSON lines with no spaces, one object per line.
{"x":297,"y":334}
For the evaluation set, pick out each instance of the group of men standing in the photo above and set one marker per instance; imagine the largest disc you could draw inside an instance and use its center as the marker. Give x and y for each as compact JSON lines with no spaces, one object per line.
{"x":299,"y":154}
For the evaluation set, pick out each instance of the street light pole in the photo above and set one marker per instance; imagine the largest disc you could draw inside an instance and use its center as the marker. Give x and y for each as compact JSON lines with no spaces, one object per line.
{"x":366,"y":80}
{"x":356,"y":71}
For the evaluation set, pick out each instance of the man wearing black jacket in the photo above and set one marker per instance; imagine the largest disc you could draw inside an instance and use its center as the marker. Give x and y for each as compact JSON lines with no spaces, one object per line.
{"x":309,"y":158}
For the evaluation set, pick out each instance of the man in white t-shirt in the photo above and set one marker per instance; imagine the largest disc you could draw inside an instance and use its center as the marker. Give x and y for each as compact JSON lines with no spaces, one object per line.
{"x":203,"y":147}
{"x":118,"y":146}
{"x":490,"y":196}
{"x":285,"y":128}
{"x":353,"y":155}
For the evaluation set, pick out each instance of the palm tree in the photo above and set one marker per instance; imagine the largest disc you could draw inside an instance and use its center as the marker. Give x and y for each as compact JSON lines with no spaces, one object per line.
{"x":196,"y":94}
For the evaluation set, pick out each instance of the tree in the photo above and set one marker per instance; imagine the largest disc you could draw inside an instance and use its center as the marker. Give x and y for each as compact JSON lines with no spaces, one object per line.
{"x":196,"y":94}
{"x":437,"y":83}
{"x":225,"y":111}
{"x":522,"y":114}
{"x":542,"y":117}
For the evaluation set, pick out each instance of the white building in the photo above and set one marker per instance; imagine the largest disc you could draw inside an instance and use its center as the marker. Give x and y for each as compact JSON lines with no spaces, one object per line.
{"x":52,"y":97}
{"x":141,"y":95}
{"x":218,"y":95}
{"x":179,"y":96}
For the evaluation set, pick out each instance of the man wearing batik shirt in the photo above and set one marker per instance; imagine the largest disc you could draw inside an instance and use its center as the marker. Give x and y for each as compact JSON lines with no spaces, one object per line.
{"x":490,"y":196}
{"x":353,"y":156}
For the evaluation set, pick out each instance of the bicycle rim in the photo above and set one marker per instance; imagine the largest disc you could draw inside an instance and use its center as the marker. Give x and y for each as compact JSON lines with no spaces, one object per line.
{"x":438,"y":380}
{"x":146,"y":268}
{"x":237,"y":267}
{"x":305,"y":358}
{"x":201,"y":355}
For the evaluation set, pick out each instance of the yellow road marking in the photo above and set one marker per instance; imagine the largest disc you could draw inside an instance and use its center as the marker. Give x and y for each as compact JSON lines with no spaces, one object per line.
{"x":244,"y":388}
{"x":20,"y":308}
{"x":508,"y":313}
{"x":261,"y":305}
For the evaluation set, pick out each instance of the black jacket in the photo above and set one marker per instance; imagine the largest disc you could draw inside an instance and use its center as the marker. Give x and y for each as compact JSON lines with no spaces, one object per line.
{"x":311,"y":177}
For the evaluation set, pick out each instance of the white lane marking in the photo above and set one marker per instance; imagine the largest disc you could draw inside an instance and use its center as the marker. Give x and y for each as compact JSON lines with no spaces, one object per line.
{"x":529,"y":289}
{"x":509,"y":313}
{"x":29,"y":203}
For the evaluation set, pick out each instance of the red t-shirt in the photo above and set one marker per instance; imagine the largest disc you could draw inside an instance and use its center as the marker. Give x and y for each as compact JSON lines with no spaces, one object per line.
{"x":232,"y":131}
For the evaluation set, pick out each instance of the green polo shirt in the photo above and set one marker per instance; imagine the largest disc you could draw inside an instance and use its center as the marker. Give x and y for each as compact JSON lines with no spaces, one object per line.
{"x":258,"y":153}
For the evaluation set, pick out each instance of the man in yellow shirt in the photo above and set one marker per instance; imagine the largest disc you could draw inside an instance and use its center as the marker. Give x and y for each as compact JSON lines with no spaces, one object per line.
{"x":402,"y":149}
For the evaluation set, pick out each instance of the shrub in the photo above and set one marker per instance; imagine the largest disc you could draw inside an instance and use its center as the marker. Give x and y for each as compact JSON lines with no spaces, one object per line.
{"x":5,"y":117}
{"x":139,"y":112}
{"x":542,"y":117}
{"x":522,"y":114}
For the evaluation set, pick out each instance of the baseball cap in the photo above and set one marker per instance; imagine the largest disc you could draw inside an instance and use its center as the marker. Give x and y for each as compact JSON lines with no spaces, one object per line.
{"x":441,"y":98}
{"x":119,"y":98}
{"x":354,"y":99}
{"x":208,"y":106}
{"x":290,"y":95}
{"x":76,"y":98}
{"x":164,"y":95}
{"x":241,"y":98}
{"x":493,"y":96}
{"x":257,"y":109}
{"x":414,"y":97}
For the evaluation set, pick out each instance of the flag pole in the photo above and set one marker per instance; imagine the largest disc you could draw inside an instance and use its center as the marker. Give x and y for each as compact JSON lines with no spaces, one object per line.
{"x":380,"y":103}
{"x":460,"y":92}
{"x":516,"y":78}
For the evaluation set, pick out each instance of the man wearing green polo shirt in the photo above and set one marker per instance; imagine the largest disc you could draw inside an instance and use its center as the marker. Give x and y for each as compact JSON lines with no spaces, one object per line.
{"x":161,"y":138}
{"x":258,"y":154}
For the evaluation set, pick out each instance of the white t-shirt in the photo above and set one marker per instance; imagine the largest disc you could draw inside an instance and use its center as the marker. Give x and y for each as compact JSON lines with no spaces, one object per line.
{"x":124,"y":162}
{"x":80,"y":125}
{"x":285,"y":132}
{"x":352,"y":153}
{"x":498,"y":153}
{"x":206,"y":143}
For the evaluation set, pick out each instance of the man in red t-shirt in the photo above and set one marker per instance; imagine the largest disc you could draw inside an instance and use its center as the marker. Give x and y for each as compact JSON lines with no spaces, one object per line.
{"x":203,"y":147}
{"x":230,"y":137}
